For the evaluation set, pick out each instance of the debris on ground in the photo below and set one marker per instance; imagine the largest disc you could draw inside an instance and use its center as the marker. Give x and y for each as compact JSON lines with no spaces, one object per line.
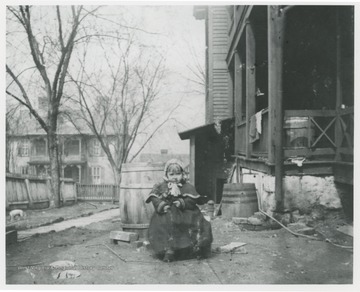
{"x":116,"y":236}
{"x":62,"y":264}
{"x":67,"y":274}
{"x":137,"y":243}
{"x":231,"y":247}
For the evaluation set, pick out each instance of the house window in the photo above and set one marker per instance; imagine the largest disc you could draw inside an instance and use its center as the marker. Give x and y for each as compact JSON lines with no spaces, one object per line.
{"x":96,"y":175}
{"x":39,"y":147}
{"x":96,"y":147}
{"x":72,"y":147}
{"x":24,"y":169}
{"x":24,"y":148}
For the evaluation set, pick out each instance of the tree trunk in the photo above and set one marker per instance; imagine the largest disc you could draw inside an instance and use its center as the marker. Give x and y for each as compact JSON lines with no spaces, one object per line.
{"x":53,"y":149}
{"x":117,"y":174}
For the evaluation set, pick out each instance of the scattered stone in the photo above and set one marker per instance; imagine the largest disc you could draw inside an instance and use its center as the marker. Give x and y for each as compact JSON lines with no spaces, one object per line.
{"x":231,"y":247}
{"x":306,"y":231}
{"x":137,"y":243}
{"x":68,"y":274}
{"x":62,"y":264}
{"x":260,"y":216}
{"x":254,"y":221}
{"x":207,"y":218}
{"x":240,"y":220}
{"x":146,"y":244}
{"x":347,"y":229}
{"x":310,"y":222}
{"x":241,"y":250}
{"x":124,"y":236}
{"x":296,"y":217}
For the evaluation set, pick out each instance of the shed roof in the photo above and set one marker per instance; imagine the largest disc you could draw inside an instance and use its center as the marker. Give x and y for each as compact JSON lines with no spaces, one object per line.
{"x":207,"y":128}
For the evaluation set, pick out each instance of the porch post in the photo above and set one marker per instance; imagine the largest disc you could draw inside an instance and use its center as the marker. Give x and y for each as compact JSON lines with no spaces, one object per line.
{"x":276,"y":21}
{"x":339,"y":101}
{"x":80,"y":149}
{"x":192,"y":160}
{"x":237,"y":87}
{"x":63,"y":170}
{"x":79,"y":167}
{"x":250,"y":83}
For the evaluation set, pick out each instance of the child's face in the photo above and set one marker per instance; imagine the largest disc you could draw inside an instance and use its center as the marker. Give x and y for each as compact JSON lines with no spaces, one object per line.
{"x":174,"y":175}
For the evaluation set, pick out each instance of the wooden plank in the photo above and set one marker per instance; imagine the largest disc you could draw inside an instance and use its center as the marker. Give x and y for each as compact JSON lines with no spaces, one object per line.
{"x":309,"y":113}
{"x":288,"y":152}
{"x":29,"y":195}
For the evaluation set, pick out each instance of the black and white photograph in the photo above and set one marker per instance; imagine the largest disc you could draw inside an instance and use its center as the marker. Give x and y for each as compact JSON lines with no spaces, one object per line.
{"x":179,"y":144}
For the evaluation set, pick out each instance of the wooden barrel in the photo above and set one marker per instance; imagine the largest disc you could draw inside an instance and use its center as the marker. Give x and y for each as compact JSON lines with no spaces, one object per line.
{"x":239,"y":200}
{"x":137,"y":181}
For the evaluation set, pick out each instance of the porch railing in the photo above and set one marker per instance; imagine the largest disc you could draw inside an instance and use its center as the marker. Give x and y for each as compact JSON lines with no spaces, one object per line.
{"x":64,"y":158}
{"x":328,"y":134}
{"x":317,"y":134}
{"x":101,"y":193}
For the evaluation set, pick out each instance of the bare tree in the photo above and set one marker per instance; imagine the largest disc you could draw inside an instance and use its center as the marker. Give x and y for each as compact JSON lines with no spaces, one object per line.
{"x":13,"y":122}
{"x":121,"y":108}
{"x":50,"y":54}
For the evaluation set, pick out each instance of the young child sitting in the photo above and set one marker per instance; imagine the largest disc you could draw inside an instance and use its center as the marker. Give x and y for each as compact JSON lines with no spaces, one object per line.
{"x":177,"y":228}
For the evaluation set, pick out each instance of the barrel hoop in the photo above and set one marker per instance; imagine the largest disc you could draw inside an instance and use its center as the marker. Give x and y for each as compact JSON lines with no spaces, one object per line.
{"x":241,"y":195}
{"x":239,"y":201}
{"x":136,"y":187}
{"x":135,"y":226}
{"x":142,"y":170}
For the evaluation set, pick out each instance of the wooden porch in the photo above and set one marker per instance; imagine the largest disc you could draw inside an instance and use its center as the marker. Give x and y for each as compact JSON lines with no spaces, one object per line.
{"x":326,"y":141}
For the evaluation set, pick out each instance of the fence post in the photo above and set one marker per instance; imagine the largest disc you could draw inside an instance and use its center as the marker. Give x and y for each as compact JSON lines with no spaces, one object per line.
{"x":31,"y":201}
{"x":114,"y":194}
{"x":76,"y":185}
{"x":62,"y":187}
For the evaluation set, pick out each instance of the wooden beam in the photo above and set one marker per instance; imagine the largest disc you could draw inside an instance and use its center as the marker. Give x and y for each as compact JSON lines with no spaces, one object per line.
{"x":250,"y":83}
{"x":276,"y":23}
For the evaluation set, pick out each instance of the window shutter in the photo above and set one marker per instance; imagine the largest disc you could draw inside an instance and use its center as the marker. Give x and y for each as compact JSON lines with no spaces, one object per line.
{"x":90,"y":147}
{"x":89,"y":178}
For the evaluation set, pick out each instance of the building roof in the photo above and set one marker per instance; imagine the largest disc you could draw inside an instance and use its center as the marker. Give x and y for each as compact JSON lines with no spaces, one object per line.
{"x":207,"y":128}
{"x":29,"y":126}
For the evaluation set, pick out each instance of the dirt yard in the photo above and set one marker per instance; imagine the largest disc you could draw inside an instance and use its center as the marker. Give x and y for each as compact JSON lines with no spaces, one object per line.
{"x":268,"y":257}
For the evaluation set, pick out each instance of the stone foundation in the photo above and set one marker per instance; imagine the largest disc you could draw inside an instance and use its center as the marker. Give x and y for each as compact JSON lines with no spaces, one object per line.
{"x":301,"y":193}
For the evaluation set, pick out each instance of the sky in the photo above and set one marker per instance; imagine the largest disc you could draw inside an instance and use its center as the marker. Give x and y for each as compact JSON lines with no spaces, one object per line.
{"x":179,"y":32}
{"x":174,"y":31}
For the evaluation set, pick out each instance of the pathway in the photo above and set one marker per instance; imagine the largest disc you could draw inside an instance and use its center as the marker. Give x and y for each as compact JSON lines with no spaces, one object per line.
{"x":77,"y":222}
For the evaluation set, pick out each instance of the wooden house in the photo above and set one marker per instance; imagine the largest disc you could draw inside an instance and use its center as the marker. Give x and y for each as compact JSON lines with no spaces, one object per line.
{"x":82,"y":158}
{"x":280,"y":90}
